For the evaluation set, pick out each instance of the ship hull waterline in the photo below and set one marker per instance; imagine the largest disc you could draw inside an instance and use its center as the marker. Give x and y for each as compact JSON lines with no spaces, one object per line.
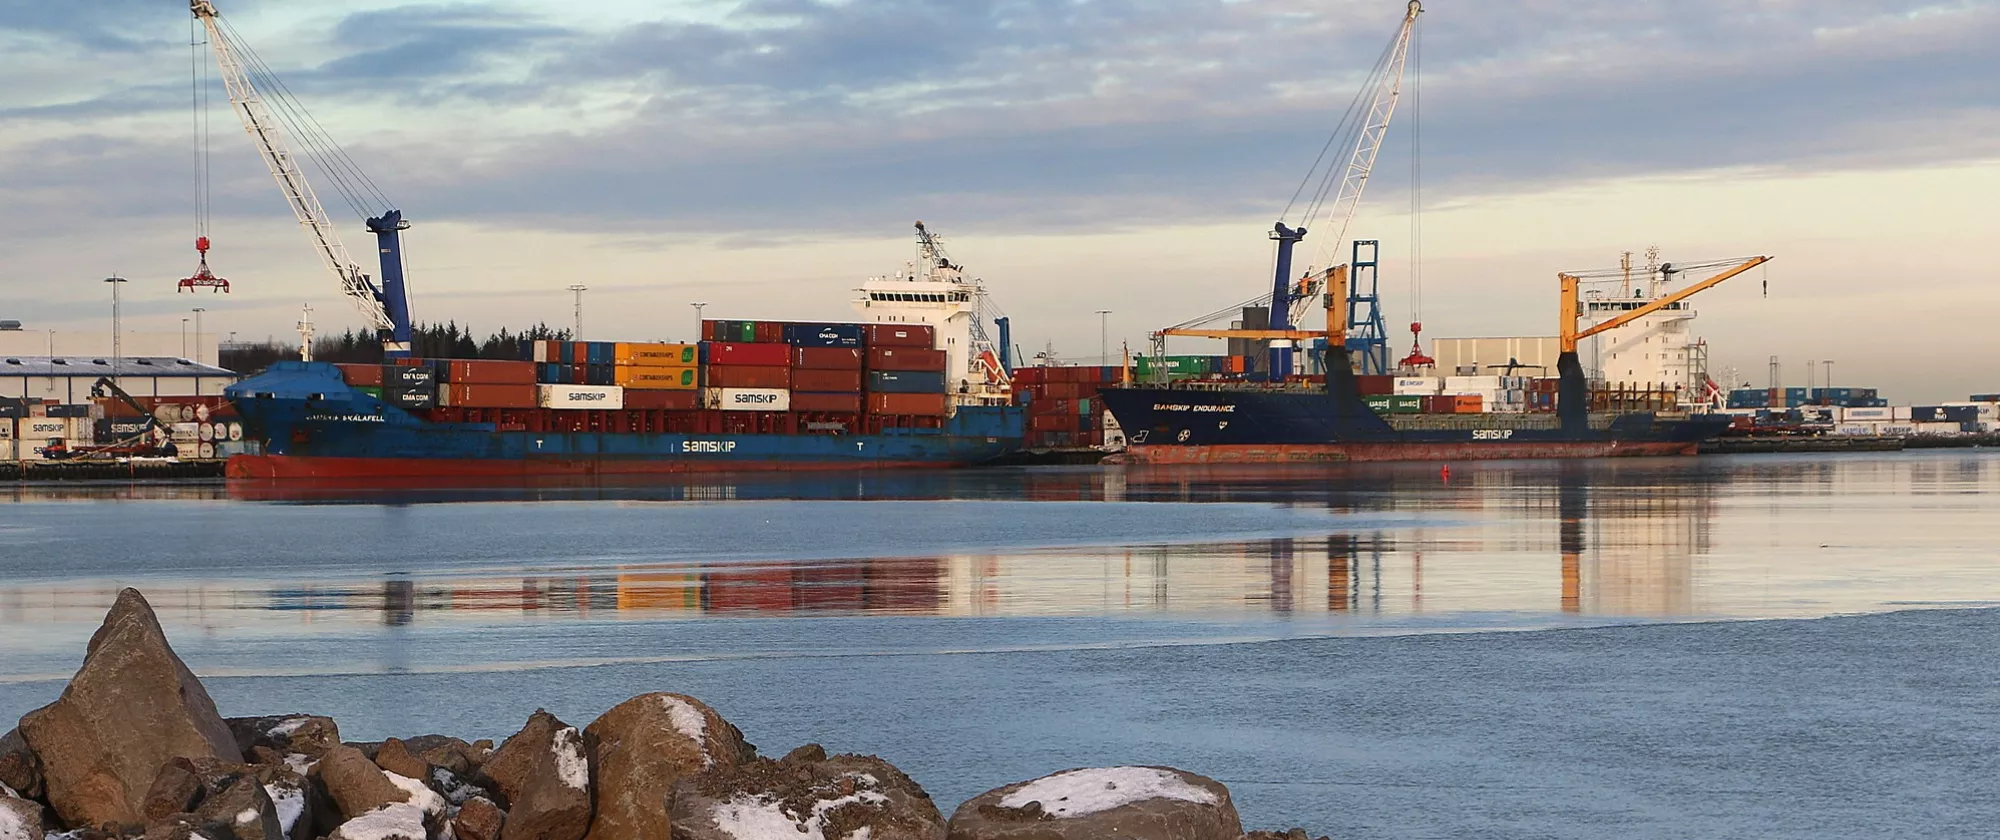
{"x":308,"y":467}
{"x":1327,"y":453}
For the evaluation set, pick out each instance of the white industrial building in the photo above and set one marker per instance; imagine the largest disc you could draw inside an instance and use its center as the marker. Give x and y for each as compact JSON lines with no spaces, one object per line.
{"x":68,"y":379}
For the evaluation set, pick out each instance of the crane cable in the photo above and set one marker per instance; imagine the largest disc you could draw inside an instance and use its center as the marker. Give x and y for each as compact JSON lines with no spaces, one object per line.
{"x":198,"y":79}
{"x":1416,"y":267}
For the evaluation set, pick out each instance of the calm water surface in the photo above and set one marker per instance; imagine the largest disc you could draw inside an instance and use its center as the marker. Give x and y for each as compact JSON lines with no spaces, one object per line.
{"x":1320,"y":638}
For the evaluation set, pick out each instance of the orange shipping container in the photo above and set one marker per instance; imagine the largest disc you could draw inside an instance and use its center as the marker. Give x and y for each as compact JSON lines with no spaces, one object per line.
{"x":463,"y":395}
{"x":656,"y":378}
{"x":361,"y":376}
{"x":811,"y":403}
{"x":487,"y":372}
{"x":827,"y":358}
{"x":748,"y":376}
{"x":925,"y":405}
{"x":1467,"y":404}
{"x":656,"y":355}
{"x":667,"y":400}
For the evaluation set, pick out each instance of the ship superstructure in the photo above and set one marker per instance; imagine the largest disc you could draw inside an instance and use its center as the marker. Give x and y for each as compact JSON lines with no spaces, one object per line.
{"x":933,"y":290}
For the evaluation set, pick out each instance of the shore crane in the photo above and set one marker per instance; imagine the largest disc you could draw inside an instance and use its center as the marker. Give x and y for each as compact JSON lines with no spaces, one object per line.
{"x":1336,"y":198}
{"x":386,"y":306}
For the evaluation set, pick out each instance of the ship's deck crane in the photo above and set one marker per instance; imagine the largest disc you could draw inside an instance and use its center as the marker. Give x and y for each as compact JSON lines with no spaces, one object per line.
{"x":1337,"y":197}
{"x":938,"y":266}
{"x":386,"y":306}
{"x":1573,"y":395}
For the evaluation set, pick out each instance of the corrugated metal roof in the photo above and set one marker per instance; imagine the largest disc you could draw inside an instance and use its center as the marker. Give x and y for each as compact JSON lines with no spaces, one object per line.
{"x":96,"y":366}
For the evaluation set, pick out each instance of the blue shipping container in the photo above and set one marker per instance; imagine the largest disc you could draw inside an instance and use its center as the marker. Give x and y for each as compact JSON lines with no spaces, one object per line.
{"x":823,"y":335}
{"x":905,"y":382}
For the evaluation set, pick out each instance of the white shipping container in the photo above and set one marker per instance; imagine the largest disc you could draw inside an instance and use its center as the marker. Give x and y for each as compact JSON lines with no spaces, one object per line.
{"x":541,"y":351}
{"x":1895,"y":429}
{"x":6,"y":428}
{"x":1411,"y":386}
{"x":43,"y":428}
{"x":1940,"y":429}
{"x":1855,"y":430}
{"x":6,"y":450}
{"x":1471,"y":384}
{"x":747,"y":399}
{"x":1901,"y":412}
{"x":582,"y":396}
{"x":1850,"y":415}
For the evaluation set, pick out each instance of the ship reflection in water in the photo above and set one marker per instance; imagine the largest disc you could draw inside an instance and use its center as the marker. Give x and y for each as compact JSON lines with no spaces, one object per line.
{"x":1685,"y":538}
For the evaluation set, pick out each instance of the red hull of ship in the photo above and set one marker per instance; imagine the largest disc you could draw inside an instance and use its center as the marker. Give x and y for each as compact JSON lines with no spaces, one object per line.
{"x":1320,"y":453}
{"x":297,"y":467}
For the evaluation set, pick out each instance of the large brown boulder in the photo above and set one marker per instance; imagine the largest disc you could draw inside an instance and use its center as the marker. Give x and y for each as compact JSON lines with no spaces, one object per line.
{"x":479,"y":819}
{"x":543,"y":776}
{"x":805,"y":794}
{"x":242,"y":811}
{"x":20,"y":771}
{"x":641,"y":747}
{"x":131,"y":706}
{"x":1140,"y":803}
{"x":355,"y":784}
{"x":20,"y":819}
{"x":393,"y":757}
{"x":453,"y":754}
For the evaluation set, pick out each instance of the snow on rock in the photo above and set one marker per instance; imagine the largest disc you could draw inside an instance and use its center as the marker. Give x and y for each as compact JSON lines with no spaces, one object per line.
{"x":13,"y":826}
{"x":688,"y":721}
{"x":755,"y":818}
{"x":570,"y":761}
{"x":421,"y":795}
{"x":394,"y":821}
{"x":288,"y":727}
{"x":1079,"y":792}
{"x":300,"y":763}
{"x":288,"y":801}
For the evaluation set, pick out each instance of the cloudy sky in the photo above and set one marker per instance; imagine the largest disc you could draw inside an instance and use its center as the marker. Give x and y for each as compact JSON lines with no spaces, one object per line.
{"x":765,"y":155}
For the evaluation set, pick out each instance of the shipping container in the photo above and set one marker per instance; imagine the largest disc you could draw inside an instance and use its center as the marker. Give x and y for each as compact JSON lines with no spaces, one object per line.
{"x":901,"y":335}
{"x":827,"y":358}
{"x":1377,"y":404}
{"x":1050,"y":422}
{"x":365,"y":376}
{"x":1467,"y":404}
{"x":581,"y":396}
{"x":826,"y":381}
{"x":824,"y":335}
{"x":677,"y":400}
{"x":923,"y":405}
{"x":1406,"y":404}
{"x":905,"y":382}
{"x":737,"y":353}
{"x":747,"y":399}
{"x":657,"y":378}
{"x":655,"y":355}
{"x":401,"y":375}
{"x":412,"y":397}
{"x":747,"y":376}
{"x":1367,"y":386}
{"x":826,"y":403}
{"x":485,"y":395}
{"x":906,"y":358}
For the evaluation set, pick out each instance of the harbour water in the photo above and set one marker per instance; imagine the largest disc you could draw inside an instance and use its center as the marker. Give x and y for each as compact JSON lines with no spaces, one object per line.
{"x":1768,"y":646}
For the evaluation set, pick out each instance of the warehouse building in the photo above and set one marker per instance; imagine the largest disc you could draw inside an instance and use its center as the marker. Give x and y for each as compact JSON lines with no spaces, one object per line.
{"x":67,"y":380}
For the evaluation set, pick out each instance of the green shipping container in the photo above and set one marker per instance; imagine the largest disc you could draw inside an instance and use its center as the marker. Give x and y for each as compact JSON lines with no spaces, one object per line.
{"x":1379,"y":405}
{"x":1406,"y":405}
{"x":1083,"y":406}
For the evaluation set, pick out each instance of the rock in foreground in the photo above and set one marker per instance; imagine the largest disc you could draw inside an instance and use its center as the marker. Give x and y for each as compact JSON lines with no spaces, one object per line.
{"x":641,"y":747}
{"x":807,"y":796}
{"x":1141,"y":803}
{"x":544,"y":776}
{"x":132,"y":706}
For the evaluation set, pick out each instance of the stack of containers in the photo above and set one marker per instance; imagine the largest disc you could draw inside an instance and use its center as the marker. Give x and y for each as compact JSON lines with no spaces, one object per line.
{"x":747,"y":375}
{"x":1063,"y":408}
{"x":482,"y":383}
{"x":657,"y":376}
{"x":906,"y":382}
{"x":827,"y":362}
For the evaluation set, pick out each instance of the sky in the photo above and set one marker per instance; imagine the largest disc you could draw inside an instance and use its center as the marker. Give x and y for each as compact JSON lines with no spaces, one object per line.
{"x":765,"y":156}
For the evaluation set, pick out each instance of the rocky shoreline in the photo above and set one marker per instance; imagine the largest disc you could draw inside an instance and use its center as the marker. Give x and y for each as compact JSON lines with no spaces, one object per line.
{"x":136,"y":748}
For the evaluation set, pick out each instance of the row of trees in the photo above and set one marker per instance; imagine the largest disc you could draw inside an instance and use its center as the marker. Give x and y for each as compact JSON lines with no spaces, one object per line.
{"x":440,"y":341}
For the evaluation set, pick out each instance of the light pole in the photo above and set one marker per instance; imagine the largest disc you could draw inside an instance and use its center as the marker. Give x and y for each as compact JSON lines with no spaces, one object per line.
{"x":117,"y":327}
{"x":197,"y":333}
{"x":1829,"y":374}
{"x":698,"y":305}
{"x":1104,"y":336}
{"x":184,"y":338}
{"x":576,"y":333}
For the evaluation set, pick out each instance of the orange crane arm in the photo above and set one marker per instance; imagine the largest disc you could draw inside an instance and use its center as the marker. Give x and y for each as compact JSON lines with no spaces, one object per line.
{"x":1336,"y":318}
{"x":1572,"y":312}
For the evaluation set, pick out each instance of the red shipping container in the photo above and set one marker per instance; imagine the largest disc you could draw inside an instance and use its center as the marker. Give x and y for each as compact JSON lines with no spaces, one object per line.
{"x":825,"y":381}
{"x":901,"y":335}
{"x":487,"y":372}
{"x":765,"y":590}
{"x":361,"y":376}
{"x":906,"y":358}
{"x":736,"y":353}
{"x":711,"y":330}
{"x":1029,"y":376}
{"x":666,"y":400}
{"x":827,"y":358}
{"x":473,"y":395}
{"x":1059,"y":391}
{"x":770,"y":332}
{"x":811,"y":403}
{"x":1375,"y":386}
{"x":928,"y":405}
{"x":578,"y":374}
{"x":747,"y":376}
{"x":1054,"y":422}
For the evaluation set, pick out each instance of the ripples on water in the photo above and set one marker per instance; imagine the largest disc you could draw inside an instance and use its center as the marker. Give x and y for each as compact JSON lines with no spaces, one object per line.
{"x":784,"y":595}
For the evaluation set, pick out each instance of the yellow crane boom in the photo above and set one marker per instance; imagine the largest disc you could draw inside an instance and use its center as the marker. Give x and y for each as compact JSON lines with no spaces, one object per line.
{"x":1336,"y":320}
{"x":1572,"y":303}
